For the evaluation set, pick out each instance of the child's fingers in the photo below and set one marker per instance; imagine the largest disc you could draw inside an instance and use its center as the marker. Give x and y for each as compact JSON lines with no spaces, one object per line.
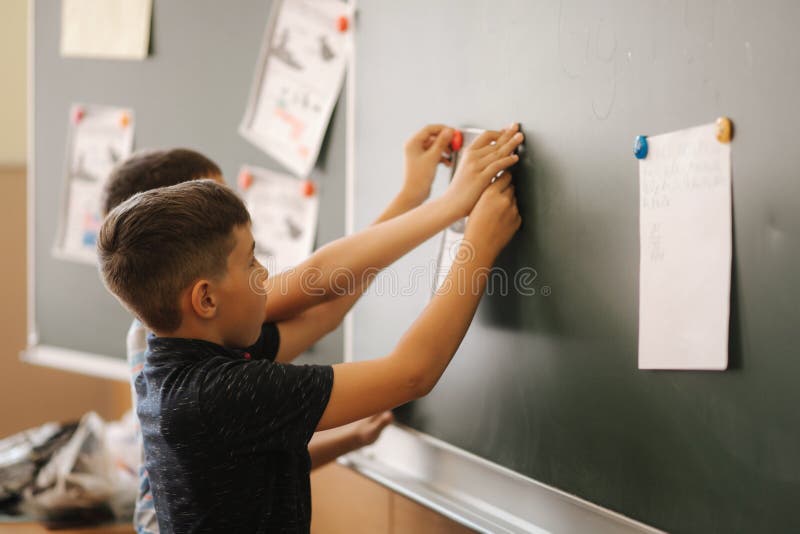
{"x":430,"y":130}
{"x":385,"y":417}
{"x":442,"y":143}
{"x":504,"y":175}
{"x":501,"y":140}
{"x":502,"y":182}
{"x":500,"y":164}
{"x":501,"y":148}
{"x":426,"y":144}
{"x":485,"y":139}
{"x":511,"y":144}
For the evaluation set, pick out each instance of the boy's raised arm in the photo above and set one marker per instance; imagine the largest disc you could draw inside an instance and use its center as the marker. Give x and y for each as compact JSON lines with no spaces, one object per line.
{"x":423,"y":353}
{"x":349,"y":260}
{"x":423,"y":153}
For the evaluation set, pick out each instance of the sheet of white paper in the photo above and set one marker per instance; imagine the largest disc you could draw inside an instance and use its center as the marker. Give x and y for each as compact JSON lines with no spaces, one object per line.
{"x":453,"y":234}
{"x":284,"y":218}
{"x":111,"y":29}
{"x":102,"y":137}
{"x":451,"y":242}
{"x":685,"y":262}
{"x":297,"y":82}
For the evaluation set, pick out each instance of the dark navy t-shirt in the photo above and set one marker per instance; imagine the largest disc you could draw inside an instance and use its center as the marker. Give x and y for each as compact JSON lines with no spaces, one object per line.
{"x":226,"y":434}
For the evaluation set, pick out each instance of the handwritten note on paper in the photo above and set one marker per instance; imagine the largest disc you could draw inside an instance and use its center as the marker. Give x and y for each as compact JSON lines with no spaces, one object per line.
{"x":99,"y":138}
{"x":284,"y":217}
{"x":685,"y":263}
{"x":298,"y":79}
{"x":111,"y":29}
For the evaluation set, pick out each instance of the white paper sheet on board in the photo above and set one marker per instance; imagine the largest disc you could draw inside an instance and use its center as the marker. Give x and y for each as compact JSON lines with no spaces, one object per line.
{"x":685,"y":264}
{"x":110,"y":29}
{"x":284,"y":218}
{"x":453,"y":234}
{"x":298,"y":79}
{"x":99,"y":137}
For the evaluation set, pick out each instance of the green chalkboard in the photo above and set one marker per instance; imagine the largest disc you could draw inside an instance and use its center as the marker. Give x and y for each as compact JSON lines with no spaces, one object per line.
{"x":547,"y":383}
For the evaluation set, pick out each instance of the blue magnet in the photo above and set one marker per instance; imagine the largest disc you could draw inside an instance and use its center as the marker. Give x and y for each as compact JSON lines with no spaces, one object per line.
{"x":640,"y":147}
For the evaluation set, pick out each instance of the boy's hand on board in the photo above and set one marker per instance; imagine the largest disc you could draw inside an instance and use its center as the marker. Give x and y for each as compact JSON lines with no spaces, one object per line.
{"x":423,"y":152}
{"x":489,"y":154}
{"x":495,"y":218}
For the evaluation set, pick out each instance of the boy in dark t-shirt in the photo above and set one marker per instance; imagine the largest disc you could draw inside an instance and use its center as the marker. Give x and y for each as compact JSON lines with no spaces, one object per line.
{"x":225,"y":428}
{"x":237,"y":427}
{"x":151,"y":169}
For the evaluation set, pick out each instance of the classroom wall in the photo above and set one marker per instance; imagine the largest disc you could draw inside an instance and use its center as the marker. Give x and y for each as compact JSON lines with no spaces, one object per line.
{"x":13,"y":72}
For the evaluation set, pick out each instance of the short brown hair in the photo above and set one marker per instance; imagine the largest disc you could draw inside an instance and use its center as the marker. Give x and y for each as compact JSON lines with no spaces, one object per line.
{"x":157,"y":243}
{"x":150,"y":169}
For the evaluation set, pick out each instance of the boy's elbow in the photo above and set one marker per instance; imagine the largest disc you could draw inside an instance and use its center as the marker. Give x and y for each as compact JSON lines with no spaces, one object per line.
{"x":418,"y":380}
{"x":332,"y":324}
{"x":425,"y":387}
{"x":417,"y":387}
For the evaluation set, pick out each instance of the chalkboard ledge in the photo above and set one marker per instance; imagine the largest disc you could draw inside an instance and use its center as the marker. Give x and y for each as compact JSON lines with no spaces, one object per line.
{"x":477,"y":493}
{"x":77,"y":361}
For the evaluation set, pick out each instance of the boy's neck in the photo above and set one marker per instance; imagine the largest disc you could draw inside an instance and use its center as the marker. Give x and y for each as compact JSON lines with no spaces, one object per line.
{"x":192,"y":331}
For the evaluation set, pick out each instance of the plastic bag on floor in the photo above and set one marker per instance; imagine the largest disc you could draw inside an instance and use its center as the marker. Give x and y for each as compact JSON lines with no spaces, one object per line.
{"x":21,"y":455}
{"x":84,"y":481}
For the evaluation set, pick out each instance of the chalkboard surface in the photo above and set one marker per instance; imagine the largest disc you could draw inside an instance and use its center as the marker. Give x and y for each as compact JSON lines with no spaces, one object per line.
{"x":190,"y":92}
{"x":547,"y":383}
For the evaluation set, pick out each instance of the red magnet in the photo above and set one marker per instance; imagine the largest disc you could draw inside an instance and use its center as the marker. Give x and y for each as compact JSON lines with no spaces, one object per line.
{"x":78,"y":113}
{"x":457,"y":141}
{"x":245,"y":180}
{"x":342,"y":23}
{"x":308,"y":188}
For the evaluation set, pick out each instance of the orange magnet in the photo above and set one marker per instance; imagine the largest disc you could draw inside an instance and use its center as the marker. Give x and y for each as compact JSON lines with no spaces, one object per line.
{"x":342,"y":23}
{"x":724,"y":130}
{"x":78,"y":113}
{"x":457,"y":141}
{"x":245,"y":180}
{"x":124,"y":120}
{"x":308,"y":188}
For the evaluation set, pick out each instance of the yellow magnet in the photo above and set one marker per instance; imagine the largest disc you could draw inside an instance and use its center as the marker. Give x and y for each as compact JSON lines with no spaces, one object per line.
{"x":724,"y":130}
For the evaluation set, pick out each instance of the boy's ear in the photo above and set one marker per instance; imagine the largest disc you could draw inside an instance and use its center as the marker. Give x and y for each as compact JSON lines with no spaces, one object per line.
{"x":203,"y":301}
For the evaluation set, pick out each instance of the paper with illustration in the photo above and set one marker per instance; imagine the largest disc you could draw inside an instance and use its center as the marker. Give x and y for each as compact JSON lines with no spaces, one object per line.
{"x":284,"y":212}
{"x":298,"y":79}
{"x":99,"y":137}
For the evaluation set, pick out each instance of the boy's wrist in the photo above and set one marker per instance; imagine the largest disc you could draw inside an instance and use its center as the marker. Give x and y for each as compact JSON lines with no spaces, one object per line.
{"x":450,"y":206}
{"x":413,"y":196}
{"x":355,"y":438}
{"x":455,"y":203}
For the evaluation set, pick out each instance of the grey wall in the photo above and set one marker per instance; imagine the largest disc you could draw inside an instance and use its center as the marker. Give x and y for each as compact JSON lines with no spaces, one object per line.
{"x":190,"y":92}
{"x":548,"y":385}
